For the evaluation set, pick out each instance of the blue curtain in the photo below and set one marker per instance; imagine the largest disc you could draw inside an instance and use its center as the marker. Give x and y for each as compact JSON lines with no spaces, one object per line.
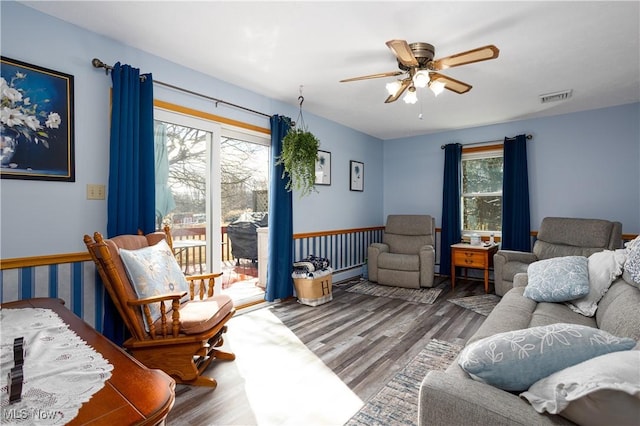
{"x":451,"y":226}
{"x":515,"y":196}
{"x":131,"y":199}
{"x":279,"y":281}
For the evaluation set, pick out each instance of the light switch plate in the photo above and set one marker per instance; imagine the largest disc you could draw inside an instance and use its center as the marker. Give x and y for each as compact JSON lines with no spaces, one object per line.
{"x":95,"y":192}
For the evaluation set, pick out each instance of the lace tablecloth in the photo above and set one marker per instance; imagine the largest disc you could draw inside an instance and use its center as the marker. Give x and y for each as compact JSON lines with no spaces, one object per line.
{"x":61,"y":371}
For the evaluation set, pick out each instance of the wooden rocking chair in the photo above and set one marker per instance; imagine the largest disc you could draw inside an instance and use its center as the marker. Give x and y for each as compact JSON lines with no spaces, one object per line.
{"x":187,"y":335}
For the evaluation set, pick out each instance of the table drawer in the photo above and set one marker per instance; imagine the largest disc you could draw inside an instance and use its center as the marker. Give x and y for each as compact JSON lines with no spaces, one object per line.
{"x":469,"y":259}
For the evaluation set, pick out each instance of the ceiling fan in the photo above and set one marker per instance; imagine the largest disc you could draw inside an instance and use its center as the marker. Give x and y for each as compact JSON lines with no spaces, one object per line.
{"x":416,"y":61}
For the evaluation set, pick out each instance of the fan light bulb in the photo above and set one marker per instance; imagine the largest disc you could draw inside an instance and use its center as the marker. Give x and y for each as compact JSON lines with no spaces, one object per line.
{"x":437,"y":87}
{"x":411,"y":97}
{"x":393,"y":87}
{"x":421,"y":78}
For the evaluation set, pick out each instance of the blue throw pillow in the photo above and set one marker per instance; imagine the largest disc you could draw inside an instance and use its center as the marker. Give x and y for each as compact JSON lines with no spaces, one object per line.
{"x":154,"y":271}
{"x":558,"y":279}
{"x":515,"y":360}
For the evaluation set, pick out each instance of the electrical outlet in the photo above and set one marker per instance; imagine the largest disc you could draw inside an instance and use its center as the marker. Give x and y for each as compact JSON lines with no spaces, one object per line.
{"x":95,"y":192}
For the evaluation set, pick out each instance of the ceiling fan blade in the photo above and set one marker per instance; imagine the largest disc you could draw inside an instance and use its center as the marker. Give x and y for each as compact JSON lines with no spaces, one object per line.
{"x":367,"y":77}
{"x":403,"y":86}
{"x":403,"y":52}
{"x":476,"y":55}
{"x":451,"y":83}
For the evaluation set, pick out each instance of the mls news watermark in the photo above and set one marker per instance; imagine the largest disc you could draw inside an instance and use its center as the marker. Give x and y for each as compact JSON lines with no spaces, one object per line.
{"x":33,"y":414}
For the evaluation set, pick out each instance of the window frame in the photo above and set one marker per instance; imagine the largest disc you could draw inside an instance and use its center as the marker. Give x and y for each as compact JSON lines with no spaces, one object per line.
{"x":478,"y":152}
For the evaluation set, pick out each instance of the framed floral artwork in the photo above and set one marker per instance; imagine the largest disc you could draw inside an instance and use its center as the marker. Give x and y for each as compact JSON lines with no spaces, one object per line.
{"x":323,"y":168}
{"x":356,"y":180}
{"x":36,"y":123}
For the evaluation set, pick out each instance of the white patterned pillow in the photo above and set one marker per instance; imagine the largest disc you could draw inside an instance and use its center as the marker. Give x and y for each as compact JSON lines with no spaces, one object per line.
{"x":599,"y":391}
{"x":558,"y":279}
{"x":517,"y":359}
{"x":631,"y":272}
{"x":154,"y":271}
{"x":604,"y":268}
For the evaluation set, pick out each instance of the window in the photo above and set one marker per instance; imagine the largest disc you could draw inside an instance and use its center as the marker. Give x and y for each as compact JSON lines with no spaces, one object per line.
{"x":188,"y":149}
{"x":245,"y":175}
{"x":481,"y":201}
{"x":193,"y":180}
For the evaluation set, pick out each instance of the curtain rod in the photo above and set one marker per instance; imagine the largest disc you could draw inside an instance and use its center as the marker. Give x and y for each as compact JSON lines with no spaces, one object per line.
{"x":97,"y":63}
{"x":481,"y":143}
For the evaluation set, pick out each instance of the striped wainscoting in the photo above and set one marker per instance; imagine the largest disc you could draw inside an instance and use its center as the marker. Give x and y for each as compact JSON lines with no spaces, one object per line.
{"x":345,"y":249}
{"x":72,"y":278}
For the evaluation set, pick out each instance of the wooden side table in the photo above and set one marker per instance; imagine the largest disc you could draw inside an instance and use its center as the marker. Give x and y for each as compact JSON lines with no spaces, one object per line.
{"x":468,"y":256}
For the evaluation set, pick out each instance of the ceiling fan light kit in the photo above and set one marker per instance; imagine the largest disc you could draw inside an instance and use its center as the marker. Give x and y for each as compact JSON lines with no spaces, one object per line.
{"x":416,"y":62}
{"x":421,"y":78}
{"x":393,"y":87}
{"x":437,"y":87}
{"x":411,"y":97}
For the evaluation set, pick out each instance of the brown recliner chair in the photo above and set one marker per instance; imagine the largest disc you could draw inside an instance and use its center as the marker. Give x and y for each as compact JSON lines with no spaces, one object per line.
{"x":557,"y":236}
{"x":406,"y":256}
{"x":186,"y":337}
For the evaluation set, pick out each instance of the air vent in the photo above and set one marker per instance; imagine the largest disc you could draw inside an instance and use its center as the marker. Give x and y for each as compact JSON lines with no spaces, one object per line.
{"x":555,"y":97}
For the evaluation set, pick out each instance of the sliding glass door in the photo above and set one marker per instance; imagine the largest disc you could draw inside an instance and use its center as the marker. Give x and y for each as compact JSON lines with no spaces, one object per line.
{"x":212,"y":190}
{"x":192,"y":148}
{"x":244,"y":159}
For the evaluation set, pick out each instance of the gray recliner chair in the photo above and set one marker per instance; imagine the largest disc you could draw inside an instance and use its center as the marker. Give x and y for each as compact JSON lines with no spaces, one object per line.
{"x":406,"y":256}
{"x":557,"y":236}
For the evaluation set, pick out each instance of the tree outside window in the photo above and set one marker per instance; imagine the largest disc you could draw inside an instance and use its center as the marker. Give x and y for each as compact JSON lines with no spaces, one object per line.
{"x":481,"y":199}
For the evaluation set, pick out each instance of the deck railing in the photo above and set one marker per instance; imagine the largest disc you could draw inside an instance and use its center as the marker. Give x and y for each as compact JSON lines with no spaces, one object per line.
{"x":345,"y":249}
{"x":197,"y":255}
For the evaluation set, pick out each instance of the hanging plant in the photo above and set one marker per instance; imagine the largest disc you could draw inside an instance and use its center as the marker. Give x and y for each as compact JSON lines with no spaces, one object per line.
{"x":298,"y":157}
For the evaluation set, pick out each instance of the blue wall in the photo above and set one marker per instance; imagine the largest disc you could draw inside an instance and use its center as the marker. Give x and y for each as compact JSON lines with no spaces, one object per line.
{"x":40,"y":218}
{"x":583,"y":164}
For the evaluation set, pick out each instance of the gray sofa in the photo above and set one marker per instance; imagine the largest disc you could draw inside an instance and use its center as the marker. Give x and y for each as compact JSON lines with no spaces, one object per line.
{"x":557,"y":236}
{"x":452,"y":397}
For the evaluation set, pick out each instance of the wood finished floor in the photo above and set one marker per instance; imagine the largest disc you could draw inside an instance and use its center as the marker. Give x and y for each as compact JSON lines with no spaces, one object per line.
{"x":363,"y":339}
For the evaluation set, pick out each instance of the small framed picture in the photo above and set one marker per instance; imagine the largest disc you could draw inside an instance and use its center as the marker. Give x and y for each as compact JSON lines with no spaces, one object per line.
{"x":356,"y":181}
{"x":323,"y":168}
{"x":36,"y":141}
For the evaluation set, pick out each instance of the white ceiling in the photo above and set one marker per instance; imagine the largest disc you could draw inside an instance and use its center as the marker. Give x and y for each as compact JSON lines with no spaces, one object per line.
{"x":273,"y":48}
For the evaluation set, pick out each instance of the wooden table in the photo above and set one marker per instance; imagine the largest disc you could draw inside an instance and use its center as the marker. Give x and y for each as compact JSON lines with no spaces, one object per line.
{"x":133,"y":395}
{"x":468,"y":256}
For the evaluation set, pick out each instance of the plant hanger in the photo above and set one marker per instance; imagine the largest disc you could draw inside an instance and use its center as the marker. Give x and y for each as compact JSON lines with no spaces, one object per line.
{"x":299,"y":155}
{"x":299,"y":124}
